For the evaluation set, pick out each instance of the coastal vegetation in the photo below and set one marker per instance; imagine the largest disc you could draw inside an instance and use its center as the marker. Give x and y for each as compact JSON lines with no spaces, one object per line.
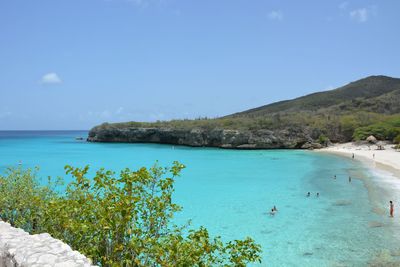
{"x":123,"y":220}
{"x":370,"y":106}
{"x":387,"y":128}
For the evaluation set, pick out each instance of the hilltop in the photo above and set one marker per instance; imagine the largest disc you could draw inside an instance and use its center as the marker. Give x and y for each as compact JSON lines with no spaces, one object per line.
{"x":367,"y":106}
{"x":360,"y":94}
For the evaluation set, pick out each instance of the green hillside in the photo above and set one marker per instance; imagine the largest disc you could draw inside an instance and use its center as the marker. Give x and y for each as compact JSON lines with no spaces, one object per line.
{"x":354,"y":95}
{"x":339,"y":115}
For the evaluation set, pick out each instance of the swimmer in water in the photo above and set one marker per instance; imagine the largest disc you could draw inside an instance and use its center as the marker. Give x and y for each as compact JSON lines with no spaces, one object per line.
{"x":274,"y":208}
{"x":272,"y":212}
{"x":349,"y":179}
{"x":317,"y":194}
{"x":308,"y":194}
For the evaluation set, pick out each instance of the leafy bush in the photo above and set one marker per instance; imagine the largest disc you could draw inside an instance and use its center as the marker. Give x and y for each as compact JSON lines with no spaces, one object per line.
{"x":118,"y":221}
{"x":323,"y":140}
{"x":386,"y":129}
{"x":22,"y":200}
{"x":396,"y":140}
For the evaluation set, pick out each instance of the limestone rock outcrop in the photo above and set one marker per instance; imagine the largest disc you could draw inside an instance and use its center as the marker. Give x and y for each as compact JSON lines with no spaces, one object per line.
{"x":223,"y":138}
{"x":20,"y":249}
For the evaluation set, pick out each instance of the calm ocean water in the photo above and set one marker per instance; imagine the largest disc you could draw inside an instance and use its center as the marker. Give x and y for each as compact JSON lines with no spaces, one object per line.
{"x":230,"y":192}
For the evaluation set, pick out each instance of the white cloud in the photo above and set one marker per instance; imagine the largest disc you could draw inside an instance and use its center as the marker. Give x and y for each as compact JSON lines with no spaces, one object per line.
{"x":51,"y":78}
{"x":119,"y":110}
{"x":361,"y":15}
{"x":344,"y":5}
{"x":275,"y":15}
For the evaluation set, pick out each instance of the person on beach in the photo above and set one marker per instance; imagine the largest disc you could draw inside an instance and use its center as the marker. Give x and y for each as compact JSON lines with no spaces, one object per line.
{"x":334,"y":177}
{"x":352,"y":156}
{"x":308,"y":194}
{"x":317,"y":194}
{"x":373,"y":156}
{"x":391,"y":208}
{"x":349,"y":179}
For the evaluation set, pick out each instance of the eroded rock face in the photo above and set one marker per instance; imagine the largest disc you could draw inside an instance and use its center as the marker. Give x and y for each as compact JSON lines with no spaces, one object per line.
{"x":238,"y":139}
{"x":20,"y":249}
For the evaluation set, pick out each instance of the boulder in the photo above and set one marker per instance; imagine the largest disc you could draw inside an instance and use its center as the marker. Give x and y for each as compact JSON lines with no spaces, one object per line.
{"x":371,"y":139}
{"x":310,"y":145}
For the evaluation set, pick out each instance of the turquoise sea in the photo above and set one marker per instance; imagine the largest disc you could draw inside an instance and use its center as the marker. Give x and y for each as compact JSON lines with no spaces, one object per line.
{"x":230,"y":192}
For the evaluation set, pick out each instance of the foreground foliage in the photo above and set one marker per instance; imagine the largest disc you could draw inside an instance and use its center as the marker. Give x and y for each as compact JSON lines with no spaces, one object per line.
{"x":118,"y":221}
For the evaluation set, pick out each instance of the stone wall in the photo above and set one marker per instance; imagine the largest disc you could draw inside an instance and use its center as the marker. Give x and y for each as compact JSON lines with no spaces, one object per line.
{"x":20,"y":249}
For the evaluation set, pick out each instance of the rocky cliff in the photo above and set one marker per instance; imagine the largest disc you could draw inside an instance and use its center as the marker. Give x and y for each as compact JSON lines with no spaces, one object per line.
{"x":339,"y":115}
{"x":237,"y":139}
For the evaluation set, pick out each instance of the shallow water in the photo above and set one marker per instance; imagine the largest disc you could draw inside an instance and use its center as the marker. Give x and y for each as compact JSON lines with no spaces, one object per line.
{"x":230,"y":192}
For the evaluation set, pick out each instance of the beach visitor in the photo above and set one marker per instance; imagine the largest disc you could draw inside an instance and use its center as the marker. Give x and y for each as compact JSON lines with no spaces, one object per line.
{"x":272,"y":212}
{"x":391,"y":208}
{"x":308,"y":194}
{"x":353,"y":156}
{"x":349,"y":179}
{"x":334,"y":177}
{"x":317,"y":194}
{"x":373,"y":156}
{"x":274,"y":208}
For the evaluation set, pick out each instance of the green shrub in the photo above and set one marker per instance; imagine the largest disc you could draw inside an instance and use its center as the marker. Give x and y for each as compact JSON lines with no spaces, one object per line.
{"x":386,"y":129}
{"x":118,"y":221}
{"x":323,"y":140}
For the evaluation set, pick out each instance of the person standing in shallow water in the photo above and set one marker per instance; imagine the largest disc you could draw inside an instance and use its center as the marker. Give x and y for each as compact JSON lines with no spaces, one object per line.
{"x":391,"y":208}
{"x":349,"y":179}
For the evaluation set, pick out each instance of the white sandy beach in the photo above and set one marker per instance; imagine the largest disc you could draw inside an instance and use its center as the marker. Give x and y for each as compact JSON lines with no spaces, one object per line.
{"x":385,"y":166}
{"x":369,"y":154}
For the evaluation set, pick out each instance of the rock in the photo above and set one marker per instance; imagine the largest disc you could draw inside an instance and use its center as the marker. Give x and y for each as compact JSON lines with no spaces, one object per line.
{"x":371,"y":139}
{"x":199,"y":137}
{"x":19,"y":249}
{"x":311,"y":146}
{"x":247,"y":146}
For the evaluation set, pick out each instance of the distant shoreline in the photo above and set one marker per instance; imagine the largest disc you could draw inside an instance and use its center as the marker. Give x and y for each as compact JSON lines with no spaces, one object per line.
{"x":387,"y":159}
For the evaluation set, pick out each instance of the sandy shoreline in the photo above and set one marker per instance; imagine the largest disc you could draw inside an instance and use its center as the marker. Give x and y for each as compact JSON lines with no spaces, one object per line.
{"x":384,"y":184}
{"x":387,"y":159}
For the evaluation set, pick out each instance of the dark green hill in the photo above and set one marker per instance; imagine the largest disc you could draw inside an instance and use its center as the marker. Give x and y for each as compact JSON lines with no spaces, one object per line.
{"x":367,"y":106}
{"x":364,"y":89}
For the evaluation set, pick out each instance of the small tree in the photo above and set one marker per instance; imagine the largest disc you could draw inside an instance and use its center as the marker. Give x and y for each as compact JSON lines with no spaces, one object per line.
{"x":122,"y":221}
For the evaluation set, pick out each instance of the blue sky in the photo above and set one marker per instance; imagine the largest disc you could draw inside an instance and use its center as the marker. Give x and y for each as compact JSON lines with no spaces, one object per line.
{"x":72,"y":64}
